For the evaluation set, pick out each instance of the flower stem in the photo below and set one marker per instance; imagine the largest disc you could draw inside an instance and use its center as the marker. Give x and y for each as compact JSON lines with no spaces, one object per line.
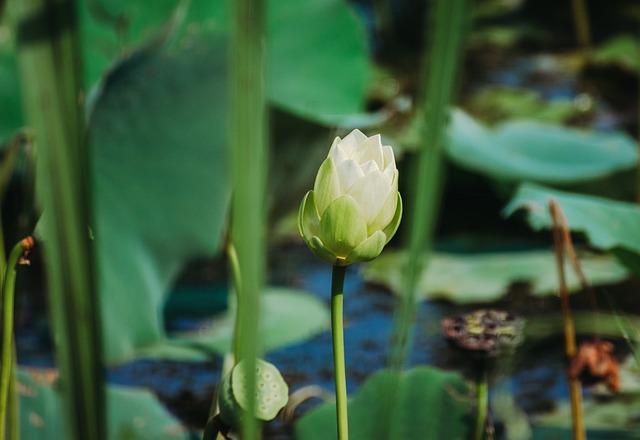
{"x":337,"y":332}
{"x":7,"y":365}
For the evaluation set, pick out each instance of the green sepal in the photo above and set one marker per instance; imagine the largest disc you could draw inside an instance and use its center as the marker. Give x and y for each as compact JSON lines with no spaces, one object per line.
{"x":392,"y":227}
{"x":342,"y":226}
{"x":327,"y":185}
{"x":318,"y":249}
{"x":308,"y":220}
{"x":368,"y":249}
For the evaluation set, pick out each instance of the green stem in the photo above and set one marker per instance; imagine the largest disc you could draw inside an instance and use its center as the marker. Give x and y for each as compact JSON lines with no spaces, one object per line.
{"x":249,"y":158}
{"x":14,"y":400}
{"x":482,"y":400}
{"x":7,"y":362}
{"x":337,"y":333}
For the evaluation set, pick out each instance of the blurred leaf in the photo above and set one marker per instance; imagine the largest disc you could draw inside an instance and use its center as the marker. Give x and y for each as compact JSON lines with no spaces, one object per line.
{"x":158,"y":146}
{"x":494,"y":104}
{"x":430,"y":404}
{"x":11,"y":109}
{"x":609,"y":225}
{"x":317,"y":59}
{"x":623,"y":51}
{"x":613,"y":416}
{"x":486,"y":277}
{"x":546,"y":153}
{"x":317,"y":55}
{"x":132,"y":413}
{"x":286,"y":316}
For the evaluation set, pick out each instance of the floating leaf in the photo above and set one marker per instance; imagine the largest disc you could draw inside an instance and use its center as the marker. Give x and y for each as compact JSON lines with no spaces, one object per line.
{"x":609,"y":225}
{"x":535,"y":151}
{"x":430,"y":404}
{"x":615,"y":417}
{"x":623,"y":50}
{"x":287,"y":316}
{"x":497,"y":103}
{"x":132,"y":413}
{"x":486,"y":277}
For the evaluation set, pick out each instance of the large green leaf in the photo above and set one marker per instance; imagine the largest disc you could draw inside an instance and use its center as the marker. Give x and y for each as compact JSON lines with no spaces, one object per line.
{"x":609,"y":225}
{"x":317,"y":59}
{"x":518,"y":151}
{"x":317,"y":71}
{"x":486,"y":277}
{"x":159,"y":169}
{"x":430,"y":404}
{"x":132,"y":413}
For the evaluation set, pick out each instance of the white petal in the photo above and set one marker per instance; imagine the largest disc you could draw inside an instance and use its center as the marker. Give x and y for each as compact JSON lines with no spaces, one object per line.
{"x":370,"y":192}
{"x":348,"y":172}
{"x":369,"y":167}
{"x":339,"y":152}
{"x":370,"y":150}
{"x":356,"y":136}
{"x":389,"y":159}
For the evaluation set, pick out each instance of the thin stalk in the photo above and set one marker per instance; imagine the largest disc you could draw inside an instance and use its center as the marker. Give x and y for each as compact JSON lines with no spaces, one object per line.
{"x":232,"y":256}
{"x":581,"y":21}
{"x":14,"y":400}
{"x":7,"y":363}
{"x":51,"y":86}
{"x":248,"y":134}
{"x":337,"y":336}
{"x":482,"y":400}
{"x":444,"y":47}
{"x":575,"y":389}
{"x":439,"y":73}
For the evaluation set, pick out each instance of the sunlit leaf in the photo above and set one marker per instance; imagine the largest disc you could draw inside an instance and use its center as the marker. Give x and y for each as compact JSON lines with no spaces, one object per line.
{"x":534,"y":151}
{"x":609,"y":225}
{"x":430,"y":404}
{"x":486,"y":277}
{"x":286,"y":316}
{"x":132,"y":413}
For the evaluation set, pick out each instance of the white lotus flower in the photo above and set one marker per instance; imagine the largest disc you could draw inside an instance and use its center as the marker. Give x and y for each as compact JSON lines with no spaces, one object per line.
{"x":354,"y":208}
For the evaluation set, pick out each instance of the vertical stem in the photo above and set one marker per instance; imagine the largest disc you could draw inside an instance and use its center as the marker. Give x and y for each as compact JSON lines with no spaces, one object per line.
{"x":248,"y":134}
{"x":439,"y":73}
{"x":7,"y":363}
{"x":14,"y":399}
{"x":482,"y":400}
{"x":581,"y":21}
{"x":337,"y":334}
{"x":51,"y":85}
{"x":575,"y":389}
{"x":441,"y":60}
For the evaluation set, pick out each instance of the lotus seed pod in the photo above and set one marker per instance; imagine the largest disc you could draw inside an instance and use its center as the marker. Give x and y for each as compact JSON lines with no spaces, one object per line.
{"x":271,"y":393}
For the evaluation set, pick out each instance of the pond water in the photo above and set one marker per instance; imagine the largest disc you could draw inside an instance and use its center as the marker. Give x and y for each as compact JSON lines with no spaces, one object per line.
{"x":536,"y":380}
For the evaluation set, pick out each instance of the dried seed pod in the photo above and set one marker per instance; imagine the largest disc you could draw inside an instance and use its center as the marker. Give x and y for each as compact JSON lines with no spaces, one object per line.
{"x":485,"y":333}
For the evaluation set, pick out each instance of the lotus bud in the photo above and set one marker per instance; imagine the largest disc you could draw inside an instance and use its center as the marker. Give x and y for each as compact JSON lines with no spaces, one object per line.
{"x":354,"y":208}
